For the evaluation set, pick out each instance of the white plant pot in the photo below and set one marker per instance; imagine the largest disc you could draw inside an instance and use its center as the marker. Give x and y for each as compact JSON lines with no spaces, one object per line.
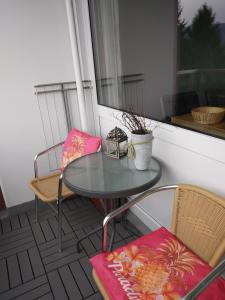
{"x":143,"y":150}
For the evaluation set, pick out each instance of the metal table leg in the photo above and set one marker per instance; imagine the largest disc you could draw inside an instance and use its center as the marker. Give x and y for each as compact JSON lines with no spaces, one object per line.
{"x":113,"y":204}
{"x":104,"y":206}
{"x":124,"y":221}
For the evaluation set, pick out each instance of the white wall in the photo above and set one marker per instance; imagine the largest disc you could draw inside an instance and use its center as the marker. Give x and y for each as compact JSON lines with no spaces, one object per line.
{"x":35,"y":49}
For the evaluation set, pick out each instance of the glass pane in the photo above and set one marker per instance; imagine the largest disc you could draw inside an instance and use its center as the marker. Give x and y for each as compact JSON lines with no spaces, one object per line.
{"x":162,"y":59}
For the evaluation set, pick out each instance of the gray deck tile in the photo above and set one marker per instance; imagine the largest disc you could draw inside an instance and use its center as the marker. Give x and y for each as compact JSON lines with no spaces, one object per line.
{"x":15,"y":223}
{"x":15,"y":233}
{"x":69,"y":283}
{"x":73,"y":214}
{"x":23,"y":220}
{"x":4,"y":283}
{"x":61,"y":262}
{"x":12,"y":238}
{"x":31,"y":266}
{"x":54,"y":225}
{"x":46,"y":297}
{"x":66,"y":226}
{"x":23,"y":288}
{"x":96,"y":296}
{"x":86,"y":243}
{"x":5,"y":247}
{"x":86,"y":222}
{"x":88,"y":271}
{"x":81,"y":279}
{"x":6,"y":226}
{"x":38,"y":234}
{"x":47,"y":231}
{"x":36,"y":262}
{"x":53,"y":244}
{"x":1,"y":232}
{"x":96,"y":241}
{"x":57,"y":286}
{"x":14,"y":271}
{"x":35,"y":293}
{"x":25,"y":266}
{"x":69,"y":246}
{"x":17,"y":249}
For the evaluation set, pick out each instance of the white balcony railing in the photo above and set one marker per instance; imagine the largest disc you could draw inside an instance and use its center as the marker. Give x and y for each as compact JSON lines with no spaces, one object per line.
{"x":59,"y":112}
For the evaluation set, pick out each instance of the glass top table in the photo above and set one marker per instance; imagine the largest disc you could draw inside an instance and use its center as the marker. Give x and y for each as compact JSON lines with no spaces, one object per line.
{"x":100,"y":176}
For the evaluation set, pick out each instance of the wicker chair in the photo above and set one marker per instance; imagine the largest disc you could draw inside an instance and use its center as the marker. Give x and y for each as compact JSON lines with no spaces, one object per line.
{"x":198,"y":221}
{"x":50,"y":189}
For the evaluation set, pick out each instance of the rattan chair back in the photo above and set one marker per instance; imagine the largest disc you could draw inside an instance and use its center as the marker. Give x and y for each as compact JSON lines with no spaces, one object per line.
{"x":199,"y":222}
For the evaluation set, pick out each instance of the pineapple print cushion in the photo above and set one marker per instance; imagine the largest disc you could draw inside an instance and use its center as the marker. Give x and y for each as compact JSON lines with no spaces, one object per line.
{"x":77,"y":144}
{"x":155,"y":267}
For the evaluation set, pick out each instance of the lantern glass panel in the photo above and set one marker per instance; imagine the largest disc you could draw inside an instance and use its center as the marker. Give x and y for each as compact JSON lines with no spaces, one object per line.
{"x":122,"y":148}
{"x":112,"y":148}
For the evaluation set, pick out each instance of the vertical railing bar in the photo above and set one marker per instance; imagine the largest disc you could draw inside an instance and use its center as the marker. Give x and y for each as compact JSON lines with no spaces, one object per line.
{"x":50,"y":122}
{"x":66,"y":109}
{"x":46,"y":104}
{"x":59,"y":131}
{"x":43,"y":127}
{"x":57,"y":117}
{"x":54,"y":142}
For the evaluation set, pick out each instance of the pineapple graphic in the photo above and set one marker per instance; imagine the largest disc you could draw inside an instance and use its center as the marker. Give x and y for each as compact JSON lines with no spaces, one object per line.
{"x":151,"y":278}
{"x":156,"y":273}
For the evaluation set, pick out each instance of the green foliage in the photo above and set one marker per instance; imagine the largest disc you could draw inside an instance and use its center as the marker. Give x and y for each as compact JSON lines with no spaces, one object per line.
{"x":201,"y":45}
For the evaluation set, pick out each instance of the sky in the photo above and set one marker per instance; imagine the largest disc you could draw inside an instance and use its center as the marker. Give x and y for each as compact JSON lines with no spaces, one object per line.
{"x":190,"y":7}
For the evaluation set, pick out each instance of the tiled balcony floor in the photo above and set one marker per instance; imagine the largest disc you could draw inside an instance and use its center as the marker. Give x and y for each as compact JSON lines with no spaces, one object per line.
{"x":30,"y":265}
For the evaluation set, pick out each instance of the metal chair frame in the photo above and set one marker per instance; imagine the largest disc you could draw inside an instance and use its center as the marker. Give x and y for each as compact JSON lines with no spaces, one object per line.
{"x":59,"y":198}
{"x":58,"y":209}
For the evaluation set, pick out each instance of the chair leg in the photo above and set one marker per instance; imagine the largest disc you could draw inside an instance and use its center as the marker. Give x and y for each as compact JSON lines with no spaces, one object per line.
{"x":59,"y":206}
{"x":36,"y":208}
{"x":112,"y":238}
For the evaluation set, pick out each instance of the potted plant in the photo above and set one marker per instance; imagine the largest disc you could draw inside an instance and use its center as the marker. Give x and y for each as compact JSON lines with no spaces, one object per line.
{"x":140,"y":147}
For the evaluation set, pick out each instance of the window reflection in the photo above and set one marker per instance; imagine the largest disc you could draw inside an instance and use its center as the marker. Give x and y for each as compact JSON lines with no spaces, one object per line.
{"x":201,"y":60}
{"x":160,"y":59}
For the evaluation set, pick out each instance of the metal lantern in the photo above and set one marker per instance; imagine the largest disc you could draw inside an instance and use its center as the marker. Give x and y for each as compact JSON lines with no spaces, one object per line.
{"x":115,"y":143}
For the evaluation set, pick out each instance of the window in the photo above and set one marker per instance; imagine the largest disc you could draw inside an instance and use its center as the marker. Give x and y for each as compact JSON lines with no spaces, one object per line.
{"x":161,"y":59}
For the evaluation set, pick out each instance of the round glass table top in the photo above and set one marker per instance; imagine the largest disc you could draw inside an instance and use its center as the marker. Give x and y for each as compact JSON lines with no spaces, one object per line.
{"x":98,"y":175}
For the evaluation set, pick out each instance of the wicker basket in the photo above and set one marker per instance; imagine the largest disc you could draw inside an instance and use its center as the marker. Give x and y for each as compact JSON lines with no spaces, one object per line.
{"x":208,"y":114}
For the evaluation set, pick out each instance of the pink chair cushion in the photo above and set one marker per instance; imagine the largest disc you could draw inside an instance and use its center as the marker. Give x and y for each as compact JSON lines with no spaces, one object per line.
{"x":77,"y":144}
{"x":155,"y":266}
